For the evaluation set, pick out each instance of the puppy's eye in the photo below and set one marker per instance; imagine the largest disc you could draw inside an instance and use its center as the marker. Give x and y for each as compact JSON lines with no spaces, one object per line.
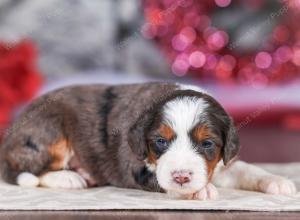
{"x":161,"y":143}
{"x":207,"y":144}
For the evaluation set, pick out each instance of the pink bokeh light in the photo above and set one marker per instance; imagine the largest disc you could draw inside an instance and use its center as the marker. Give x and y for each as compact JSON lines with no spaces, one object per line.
{"x":180,"y":67}
{"x":296,"y":57}
{"x":217,"y":40}
{"x":227,"y":63}
{"x":211,"y":62}
{"x":263,"y":60}
{"x":222,"y":3}
{"x":197,"y":59}
{"x":283,"y":54}
{"x":189,"y":34}
{"x":180,"y":42}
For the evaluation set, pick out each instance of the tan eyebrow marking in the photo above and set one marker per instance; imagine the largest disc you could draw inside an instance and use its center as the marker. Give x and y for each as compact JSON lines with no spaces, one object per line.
{"x":201,"y":133}
{"x":166,"y":132}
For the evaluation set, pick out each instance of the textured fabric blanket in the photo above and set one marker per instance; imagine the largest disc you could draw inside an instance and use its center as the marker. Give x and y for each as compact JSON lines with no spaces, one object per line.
{"x":110,"y":198}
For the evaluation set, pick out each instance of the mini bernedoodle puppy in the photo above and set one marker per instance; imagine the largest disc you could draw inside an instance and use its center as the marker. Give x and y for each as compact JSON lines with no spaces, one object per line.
{"x":160,"y":137}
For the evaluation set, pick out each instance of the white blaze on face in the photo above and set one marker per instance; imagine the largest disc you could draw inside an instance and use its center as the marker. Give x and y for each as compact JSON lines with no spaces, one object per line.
{"x":182,"y":115}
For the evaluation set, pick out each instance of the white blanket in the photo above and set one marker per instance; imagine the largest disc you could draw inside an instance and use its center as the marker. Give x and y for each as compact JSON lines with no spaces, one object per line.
{"x":110,"y":198}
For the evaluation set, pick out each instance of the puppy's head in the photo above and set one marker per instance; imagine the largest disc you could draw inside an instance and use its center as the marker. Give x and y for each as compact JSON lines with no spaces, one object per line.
{"x":183,"y":138}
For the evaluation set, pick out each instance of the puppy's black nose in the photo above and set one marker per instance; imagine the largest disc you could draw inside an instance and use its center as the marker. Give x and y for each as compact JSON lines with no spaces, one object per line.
{"x":182,"y":176}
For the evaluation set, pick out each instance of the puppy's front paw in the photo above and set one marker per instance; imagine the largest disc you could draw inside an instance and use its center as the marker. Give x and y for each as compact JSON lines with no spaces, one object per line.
{"x":209,"y":192}
{"x":276,"y":185}
{"x":27,"y":180}
{"x":63,"y":179}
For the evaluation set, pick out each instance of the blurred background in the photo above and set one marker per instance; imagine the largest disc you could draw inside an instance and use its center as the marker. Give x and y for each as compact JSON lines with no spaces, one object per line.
{"x":244,"y":52}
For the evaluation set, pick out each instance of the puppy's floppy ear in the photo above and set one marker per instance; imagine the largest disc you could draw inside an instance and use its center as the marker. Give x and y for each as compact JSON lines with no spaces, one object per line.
{"x":232,"y":144}
{"x":137,"y":136}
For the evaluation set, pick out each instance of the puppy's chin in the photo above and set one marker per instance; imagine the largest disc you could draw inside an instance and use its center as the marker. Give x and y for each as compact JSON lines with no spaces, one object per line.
{"x":169,"y":185}
{"x":185,"y":189}
{"x":182,"y":191}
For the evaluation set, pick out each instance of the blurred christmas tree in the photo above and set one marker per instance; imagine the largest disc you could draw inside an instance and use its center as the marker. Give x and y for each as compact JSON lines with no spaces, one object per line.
{"x":250,"y":42}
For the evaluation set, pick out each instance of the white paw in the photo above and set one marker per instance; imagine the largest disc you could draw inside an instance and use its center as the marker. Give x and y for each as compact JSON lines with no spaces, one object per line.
{"x":276,"y":185}
{"x":209,"y":192}
{"x":63,"y":180}
{"x":27,"y":180}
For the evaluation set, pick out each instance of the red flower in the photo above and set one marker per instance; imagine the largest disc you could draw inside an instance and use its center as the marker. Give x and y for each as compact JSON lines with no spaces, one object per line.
{"x":19,"y":78}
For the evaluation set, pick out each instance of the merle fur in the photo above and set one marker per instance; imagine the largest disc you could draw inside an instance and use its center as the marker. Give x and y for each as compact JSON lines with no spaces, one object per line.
{"x":108,"y":128}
